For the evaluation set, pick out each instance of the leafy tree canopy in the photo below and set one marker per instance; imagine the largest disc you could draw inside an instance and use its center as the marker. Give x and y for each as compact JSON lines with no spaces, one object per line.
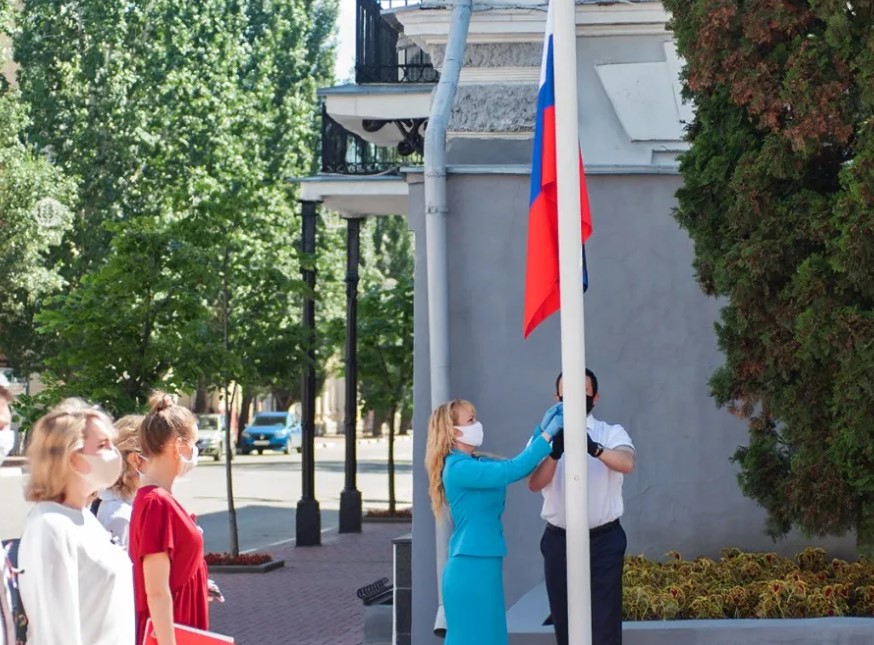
{"x":182,"y":125}
{"x":779,"y":201}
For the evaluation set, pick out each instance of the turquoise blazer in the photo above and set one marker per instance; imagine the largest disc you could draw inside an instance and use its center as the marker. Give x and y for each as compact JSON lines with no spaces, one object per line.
{"x":476,"y":489}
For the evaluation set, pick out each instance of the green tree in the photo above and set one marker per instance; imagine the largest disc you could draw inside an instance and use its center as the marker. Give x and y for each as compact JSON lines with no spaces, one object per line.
{"x":218,"y":113}
{"x":385,"y":358}
{"x":137,"y":323}
{"x":34,"y":217}
{"x":778,"y":201}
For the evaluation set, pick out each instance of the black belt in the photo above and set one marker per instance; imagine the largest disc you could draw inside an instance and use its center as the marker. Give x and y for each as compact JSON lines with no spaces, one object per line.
{"x":598,"y":530}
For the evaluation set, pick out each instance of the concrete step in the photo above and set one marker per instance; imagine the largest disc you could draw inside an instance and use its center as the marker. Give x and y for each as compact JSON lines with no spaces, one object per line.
{"x":525,"y":625}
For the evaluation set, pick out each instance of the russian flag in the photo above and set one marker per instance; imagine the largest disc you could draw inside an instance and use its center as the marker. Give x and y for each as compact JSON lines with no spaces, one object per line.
{"x":541,"y":274}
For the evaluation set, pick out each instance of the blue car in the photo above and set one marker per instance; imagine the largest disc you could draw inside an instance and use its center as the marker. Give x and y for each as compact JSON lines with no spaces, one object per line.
{"x":271,"y":431}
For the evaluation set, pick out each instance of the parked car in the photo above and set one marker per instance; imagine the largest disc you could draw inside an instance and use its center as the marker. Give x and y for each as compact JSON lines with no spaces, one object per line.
{"x":211,"y":436}
{"x":271,"y":431}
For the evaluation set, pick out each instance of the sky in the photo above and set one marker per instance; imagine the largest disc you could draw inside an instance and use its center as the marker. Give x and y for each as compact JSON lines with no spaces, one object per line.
{"x":343,"y":68}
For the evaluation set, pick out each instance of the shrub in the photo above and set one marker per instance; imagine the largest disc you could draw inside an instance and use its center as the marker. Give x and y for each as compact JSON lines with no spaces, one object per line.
{"x":242,"y":559}
{"x":747,"y":585}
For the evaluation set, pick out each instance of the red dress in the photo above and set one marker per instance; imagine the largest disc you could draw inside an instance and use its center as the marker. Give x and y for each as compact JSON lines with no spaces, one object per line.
{"x":159,"y":524}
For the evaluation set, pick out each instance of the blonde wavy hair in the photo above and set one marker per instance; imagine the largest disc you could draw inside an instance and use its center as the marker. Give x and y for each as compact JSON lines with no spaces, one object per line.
{"x":441,"y":439}
{"x":128,"y":443}
{"x":54,"y":439}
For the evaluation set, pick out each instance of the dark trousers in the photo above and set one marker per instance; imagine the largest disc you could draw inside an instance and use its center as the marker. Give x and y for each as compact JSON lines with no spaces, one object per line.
{"x":607,"y":551}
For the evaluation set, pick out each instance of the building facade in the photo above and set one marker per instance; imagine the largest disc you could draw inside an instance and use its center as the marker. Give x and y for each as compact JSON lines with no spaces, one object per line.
{"x":649,"y":327}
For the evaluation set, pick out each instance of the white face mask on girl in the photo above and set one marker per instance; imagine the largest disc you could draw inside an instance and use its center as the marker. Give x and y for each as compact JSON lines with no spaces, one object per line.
{"x":187,"y":464}
{"x":105,"y":469}
{"x":471,"y":435}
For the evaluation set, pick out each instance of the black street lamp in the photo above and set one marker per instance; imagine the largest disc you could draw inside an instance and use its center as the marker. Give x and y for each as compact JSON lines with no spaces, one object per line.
{"x":308,"y":519}
{"x":350,"y":498}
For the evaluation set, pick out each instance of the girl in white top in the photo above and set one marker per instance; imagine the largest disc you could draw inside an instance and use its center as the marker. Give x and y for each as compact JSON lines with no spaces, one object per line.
{"x":116,"y":503}
{"x":76,"y":585}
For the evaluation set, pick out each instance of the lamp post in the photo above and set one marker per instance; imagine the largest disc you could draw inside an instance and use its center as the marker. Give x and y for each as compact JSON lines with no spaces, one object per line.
{"x":350,"y":498}
{"x":308,"y":525}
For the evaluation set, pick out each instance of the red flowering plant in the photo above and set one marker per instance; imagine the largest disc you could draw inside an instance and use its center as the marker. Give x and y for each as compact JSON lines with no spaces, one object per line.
{"x":401,"y":512}
{"x":245,"y":559}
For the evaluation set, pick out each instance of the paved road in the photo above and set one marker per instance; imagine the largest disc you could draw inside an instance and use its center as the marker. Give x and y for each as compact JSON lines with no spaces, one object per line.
{"x":266,"y":488}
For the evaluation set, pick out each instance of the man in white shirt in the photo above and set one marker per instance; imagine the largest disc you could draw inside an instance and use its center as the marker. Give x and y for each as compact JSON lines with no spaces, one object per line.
{"x":611,"y":456}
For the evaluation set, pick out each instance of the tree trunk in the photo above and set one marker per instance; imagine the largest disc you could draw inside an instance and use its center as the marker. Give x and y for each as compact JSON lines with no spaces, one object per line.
{"x":229,"y":397}
{"x":245,"y":408}
{"x":229,"y":476}
{"x":392,"y":497}
{"x":865,"y":529}
{"x":282,"y":399}
{"x":201,"y":399}
{"x":406,"y":421}
{"x":378,"y":420}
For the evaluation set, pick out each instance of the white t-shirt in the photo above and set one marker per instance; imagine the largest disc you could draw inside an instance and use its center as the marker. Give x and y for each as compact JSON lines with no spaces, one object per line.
{"x":114,"y":514}
{"x":605,"y":485}
{"x":76,"y":586}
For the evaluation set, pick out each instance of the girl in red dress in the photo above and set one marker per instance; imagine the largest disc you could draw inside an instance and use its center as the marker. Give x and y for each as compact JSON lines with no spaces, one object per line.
{"x":166,"y":545}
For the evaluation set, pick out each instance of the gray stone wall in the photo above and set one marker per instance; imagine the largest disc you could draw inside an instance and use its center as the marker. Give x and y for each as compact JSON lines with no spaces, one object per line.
{"x":494,"y":108}
{"x":650,"y":339}
{"x":498,"y":100}
{"x":496,"y":54}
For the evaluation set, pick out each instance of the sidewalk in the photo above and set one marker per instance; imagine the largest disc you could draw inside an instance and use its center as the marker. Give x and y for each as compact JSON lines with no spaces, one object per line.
{"x":311,"y":601}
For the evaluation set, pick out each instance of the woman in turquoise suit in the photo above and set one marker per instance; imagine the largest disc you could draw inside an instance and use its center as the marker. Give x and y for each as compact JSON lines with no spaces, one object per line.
{"x":474,"y":488}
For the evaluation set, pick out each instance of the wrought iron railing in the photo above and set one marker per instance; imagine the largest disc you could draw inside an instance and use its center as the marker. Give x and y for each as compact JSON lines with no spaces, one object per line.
{"x":346,"y":153}
{"x":376,"y":49}
{"x":394,"y":4}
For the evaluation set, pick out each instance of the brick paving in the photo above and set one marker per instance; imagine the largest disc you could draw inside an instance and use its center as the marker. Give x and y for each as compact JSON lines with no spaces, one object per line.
{"x":311,"y":601}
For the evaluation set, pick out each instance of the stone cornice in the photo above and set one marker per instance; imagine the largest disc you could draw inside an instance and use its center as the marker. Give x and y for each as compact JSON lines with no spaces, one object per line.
{"x":429,"y":27}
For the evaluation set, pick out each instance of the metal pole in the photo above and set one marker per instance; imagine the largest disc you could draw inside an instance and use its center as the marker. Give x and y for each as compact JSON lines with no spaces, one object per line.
{"x":573,"y":345}
{"x":308,"y":517}
{"x":436,"y":212}
{"x":350,"y":498}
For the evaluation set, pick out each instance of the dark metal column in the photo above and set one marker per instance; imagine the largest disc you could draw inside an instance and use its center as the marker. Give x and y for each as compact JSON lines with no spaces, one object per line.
{"x":308,"y":519}
{"x":350,"y":498}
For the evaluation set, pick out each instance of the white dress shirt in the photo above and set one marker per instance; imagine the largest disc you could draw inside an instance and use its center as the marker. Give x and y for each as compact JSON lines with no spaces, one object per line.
{"x":604,"y":486}
{"x":77,"y":587}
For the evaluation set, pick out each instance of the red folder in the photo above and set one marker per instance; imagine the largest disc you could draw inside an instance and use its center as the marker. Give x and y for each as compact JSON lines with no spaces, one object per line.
{"x":187,"y":636}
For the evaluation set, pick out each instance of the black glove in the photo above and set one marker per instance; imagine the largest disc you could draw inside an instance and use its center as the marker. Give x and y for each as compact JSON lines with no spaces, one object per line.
{"x":557,"y":445}
{"x":595,"y":449}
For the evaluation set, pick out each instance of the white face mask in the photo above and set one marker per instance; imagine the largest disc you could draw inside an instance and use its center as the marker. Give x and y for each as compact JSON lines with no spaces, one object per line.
{"x":187,"y":464}
{"x":471,"y":435}
{"x":105,"y":468}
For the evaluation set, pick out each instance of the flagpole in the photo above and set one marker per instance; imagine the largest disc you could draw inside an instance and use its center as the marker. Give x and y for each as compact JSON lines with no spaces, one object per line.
{"x":573,"y":358}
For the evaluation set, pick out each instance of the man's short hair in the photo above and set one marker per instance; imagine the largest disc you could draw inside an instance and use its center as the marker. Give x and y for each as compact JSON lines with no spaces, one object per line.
{"x":6,"y":395}
{"x":589,"y":373}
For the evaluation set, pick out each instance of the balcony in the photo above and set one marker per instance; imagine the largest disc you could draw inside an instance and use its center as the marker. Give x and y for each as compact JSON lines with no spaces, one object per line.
{"x":345,"y":153}
{"x":358,"y":178}
{"x":379,"y":56}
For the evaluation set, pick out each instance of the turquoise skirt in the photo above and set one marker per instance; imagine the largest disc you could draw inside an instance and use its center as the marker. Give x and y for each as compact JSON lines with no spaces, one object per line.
{"x":473,"y":599}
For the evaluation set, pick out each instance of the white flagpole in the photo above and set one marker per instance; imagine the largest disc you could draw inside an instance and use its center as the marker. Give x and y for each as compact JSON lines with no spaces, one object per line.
{"x":573,"y":358}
